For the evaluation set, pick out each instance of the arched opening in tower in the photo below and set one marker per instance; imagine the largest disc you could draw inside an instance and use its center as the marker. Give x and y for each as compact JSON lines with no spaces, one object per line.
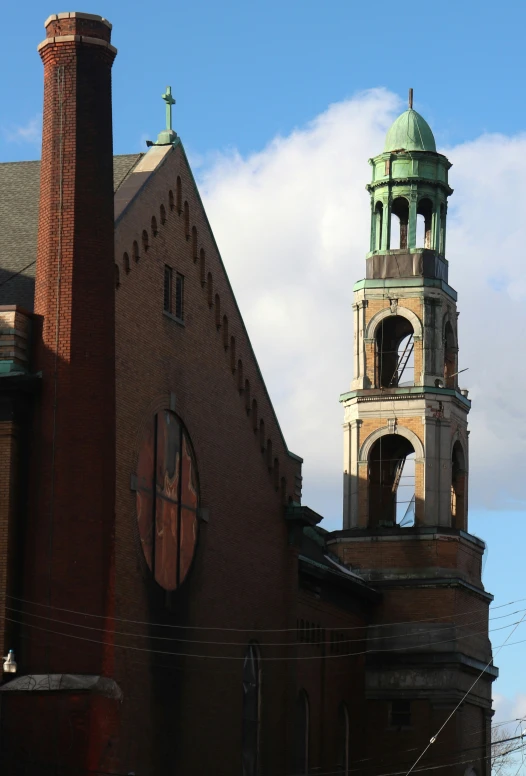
{"x":458,"y":487}
{"x":399,"y":223}
{"x":395,"y":365}
{"x":392,"y":482}
{"x":378,"y":225}
{"x":424,"y":224}
{"x":450,"y":356}
{"x":442,"y":239}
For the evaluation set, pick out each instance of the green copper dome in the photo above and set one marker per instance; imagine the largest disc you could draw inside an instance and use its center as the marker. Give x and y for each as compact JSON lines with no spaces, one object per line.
{"x":410,"y":132}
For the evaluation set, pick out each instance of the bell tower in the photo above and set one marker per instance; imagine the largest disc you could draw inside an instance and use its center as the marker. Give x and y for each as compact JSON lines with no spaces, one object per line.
{"x":405,"y":397}
{"x":406,"y":467}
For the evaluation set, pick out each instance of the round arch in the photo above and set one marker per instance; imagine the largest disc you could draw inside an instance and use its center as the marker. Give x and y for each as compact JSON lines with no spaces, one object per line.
{"x":413,"y":319}
{"x":380,"y":432}
{"x":457,"y":437}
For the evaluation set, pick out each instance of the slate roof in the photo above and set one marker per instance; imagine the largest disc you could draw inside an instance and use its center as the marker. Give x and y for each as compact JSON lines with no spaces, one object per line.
{"x":19,"y":195}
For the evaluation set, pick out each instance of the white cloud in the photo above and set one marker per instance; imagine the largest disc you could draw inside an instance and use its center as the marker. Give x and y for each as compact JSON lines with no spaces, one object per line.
{"x":292,"y":222}
{"x":27,"y":133}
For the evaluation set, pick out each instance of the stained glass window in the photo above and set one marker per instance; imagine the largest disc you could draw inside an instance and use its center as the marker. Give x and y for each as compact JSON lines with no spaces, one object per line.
{"x":167,"y":500}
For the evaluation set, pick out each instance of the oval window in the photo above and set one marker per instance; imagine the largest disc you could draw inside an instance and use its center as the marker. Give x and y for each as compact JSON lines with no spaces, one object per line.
{"x":167,"y":500}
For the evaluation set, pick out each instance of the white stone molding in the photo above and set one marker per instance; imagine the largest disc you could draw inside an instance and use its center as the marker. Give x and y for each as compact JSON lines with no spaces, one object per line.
{"x":418,"y":447}
{"x":413,"y":319}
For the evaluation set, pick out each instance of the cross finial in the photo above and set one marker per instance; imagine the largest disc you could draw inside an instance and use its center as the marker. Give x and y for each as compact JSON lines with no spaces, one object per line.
{"x":410,"y":99}
{"x":169,"y":100}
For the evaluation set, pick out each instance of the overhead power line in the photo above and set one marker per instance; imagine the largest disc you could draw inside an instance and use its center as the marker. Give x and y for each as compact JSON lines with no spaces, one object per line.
{"x":254,"y":630}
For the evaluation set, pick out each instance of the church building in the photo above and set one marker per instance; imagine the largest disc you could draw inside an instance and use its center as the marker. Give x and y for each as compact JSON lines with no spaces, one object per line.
{"x":171,"y":605}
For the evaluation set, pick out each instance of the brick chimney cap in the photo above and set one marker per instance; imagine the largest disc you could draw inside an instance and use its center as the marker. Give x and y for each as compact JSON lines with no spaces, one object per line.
{"x":77,"y":15}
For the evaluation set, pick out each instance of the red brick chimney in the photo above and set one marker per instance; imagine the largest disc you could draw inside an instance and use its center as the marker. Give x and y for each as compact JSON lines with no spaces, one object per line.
{"x":70,"y":533}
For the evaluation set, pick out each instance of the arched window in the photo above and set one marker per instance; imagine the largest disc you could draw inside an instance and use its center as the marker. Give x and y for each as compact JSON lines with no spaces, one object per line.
{"x":135,"y":251}
{"x":378,"y":225}
{"x":171,"y":202}
{"x":276,"y":473}
{"x":167,"y":521}
{"x":343,"y":740}
{"x":247,"y":396}
{"x":210,"y":289}
{"x":233,"y":354}
{"x":187,"y":220}
{"x":126,"y":262}
{"x":262,"y":434}
{"x":162,"y":214}
{"x":269,"y":454}
{"x":155,"y":231}
{"x":450,"y":357}
{"x":202,"y":266}
{"x":225,"y":332}
{"x":394,"y":352}
{"x":458,"y":487}
{"x":145,"y":242}
{"x":217,"y":304}
{"x":391,"y":482}
{"x":179,"y":195}
{"x":254,"y":415}
{"x":399,"y":223}
{"x":301,"y":735}
{"x":117,"y":276}
{"x":240,"y":382}
{"x":251,"y":711}
{"x":424,"y":224}
{"x":194,"y":243}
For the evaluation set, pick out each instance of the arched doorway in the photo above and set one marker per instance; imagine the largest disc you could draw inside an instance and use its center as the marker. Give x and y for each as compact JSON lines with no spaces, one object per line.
{"x":392,"y":482}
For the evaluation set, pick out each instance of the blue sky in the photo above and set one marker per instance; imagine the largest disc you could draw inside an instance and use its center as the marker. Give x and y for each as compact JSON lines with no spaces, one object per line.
{"x":246,"y":73}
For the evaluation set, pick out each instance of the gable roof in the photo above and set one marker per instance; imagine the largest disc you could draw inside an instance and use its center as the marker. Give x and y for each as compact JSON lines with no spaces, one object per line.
{"x":19,"y":199}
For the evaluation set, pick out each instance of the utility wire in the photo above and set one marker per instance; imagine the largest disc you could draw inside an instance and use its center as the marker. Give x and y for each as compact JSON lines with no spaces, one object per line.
{"x":434,"y":738}
{"x":257,"y":630}
{"x":315,"y":642}
{"x":272,"y":659}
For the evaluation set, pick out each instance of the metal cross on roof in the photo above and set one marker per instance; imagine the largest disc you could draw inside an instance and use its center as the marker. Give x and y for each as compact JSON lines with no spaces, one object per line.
{"x":169,"y":100}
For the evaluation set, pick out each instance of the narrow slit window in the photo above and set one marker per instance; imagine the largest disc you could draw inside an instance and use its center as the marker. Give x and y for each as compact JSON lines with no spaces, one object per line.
{"x":168,"y":289}
{"x":179,"y":296}
{"x":401,"y":713}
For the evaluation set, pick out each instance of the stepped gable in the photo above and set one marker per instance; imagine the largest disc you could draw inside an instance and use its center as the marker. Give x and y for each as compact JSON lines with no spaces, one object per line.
{"x":20,"y":186}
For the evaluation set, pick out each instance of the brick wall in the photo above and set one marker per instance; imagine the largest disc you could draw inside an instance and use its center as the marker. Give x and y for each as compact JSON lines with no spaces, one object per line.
{"x":244,"y":573}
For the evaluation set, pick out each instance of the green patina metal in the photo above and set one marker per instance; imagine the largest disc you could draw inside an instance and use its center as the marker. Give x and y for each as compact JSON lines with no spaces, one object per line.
{"x":167,"y":136}
{"x":414,"y":390}
{"x":410,"y":132}
{"x":409,"y":179}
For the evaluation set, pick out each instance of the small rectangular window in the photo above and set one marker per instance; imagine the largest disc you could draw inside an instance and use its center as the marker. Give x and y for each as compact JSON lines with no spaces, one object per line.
{"x":179,"y":296}
{"x":168,"y":289}
{"x":401,"y":714}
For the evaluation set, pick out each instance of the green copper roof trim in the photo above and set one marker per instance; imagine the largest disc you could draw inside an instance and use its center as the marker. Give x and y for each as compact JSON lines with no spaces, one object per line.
{"x":406,"y":283}
{"x":410,"y":132}
{"x":414,"y":390}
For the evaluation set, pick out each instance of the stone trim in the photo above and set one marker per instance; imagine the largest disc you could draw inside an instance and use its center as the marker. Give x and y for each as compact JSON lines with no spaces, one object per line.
{"x":55,"y":17}
{"x":404,"y":312}
{"x":76,"y":39}
{"x":402,"y":431}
